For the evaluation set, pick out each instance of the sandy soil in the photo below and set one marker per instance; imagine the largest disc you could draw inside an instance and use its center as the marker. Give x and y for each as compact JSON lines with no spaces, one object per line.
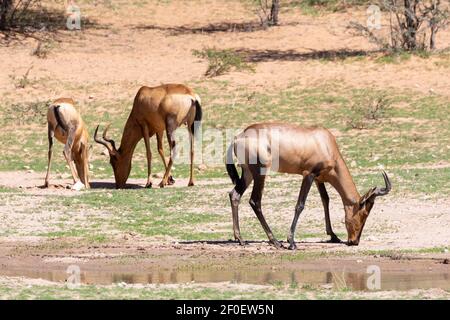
{"x":399,"y":223}
{"x":94,"y":65}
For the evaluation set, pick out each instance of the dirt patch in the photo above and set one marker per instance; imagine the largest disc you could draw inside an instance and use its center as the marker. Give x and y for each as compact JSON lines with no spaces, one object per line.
{"x":395,"y":223}
{"x":86,"y":65}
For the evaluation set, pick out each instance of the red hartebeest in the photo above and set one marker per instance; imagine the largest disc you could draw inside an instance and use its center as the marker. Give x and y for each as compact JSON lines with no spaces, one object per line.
{"x":65,"y":124}
{"x":155,"y":110}
{"x":310,"y":152}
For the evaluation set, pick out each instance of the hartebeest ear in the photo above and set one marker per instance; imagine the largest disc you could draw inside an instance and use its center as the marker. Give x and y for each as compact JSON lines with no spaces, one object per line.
{"x":375,"y":192}
{"x":367,"y":196}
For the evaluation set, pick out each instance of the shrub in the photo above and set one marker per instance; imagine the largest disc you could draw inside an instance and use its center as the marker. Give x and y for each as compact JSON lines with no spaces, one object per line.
{"x":222,"y":61}
{"x":26,"y":113}
{"x":370,"y":110}
{"x":413,"y":24}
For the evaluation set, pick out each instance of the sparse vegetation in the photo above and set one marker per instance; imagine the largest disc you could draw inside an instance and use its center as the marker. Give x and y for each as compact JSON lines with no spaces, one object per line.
{"x":368,"y":112}
{"x":267,"y":12}
{"x":413,"y":25}
{"x":43,"y":48}
{"x":23,"y":81}
{"x":221,"y":61}
{"x":25,"y":113}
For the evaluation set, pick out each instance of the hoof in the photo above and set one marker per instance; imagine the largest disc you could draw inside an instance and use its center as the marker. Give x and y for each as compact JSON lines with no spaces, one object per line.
{"x":334,"y":239}
{"x":190,"y":184}
{"x":277,"y":244}
{"x":149,"y":185}
{"x":292,"y":245}
{"x":162,"y":185}
{"x":78,"y":186}
{"x":239,"y":240}
{"x":170,"y":181}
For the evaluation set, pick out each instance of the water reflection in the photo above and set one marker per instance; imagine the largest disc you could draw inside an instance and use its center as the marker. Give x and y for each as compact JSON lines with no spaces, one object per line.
{"x":354,"y":280}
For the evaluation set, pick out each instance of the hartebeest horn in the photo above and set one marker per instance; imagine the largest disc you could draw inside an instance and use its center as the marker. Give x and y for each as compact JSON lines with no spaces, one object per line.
{"x":111,"y":146}
{"x":383,"y":191}
{"x":376,"y":192}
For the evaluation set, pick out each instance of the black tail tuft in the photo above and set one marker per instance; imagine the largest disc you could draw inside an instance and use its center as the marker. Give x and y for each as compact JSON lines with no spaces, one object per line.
{"x":231,"y":168}
{"x":59,"y":119}
{"x":198,"y":117}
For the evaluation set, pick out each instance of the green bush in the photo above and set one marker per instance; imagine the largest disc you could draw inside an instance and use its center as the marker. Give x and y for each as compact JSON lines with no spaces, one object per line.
{"x":222,"y":61}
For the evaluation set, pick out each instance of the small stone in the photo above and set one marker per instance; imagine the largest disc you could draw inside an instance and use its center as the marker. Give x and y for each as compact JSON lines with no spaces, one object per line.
{"x":202,"y":167}
{"x":359,"y":261}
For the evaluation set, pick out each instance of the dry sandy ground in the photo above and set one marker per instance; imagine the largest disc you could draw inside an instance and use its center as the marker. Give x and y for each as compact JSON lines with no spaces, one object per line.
{"x":114,"y":60}
{"x":399,"y":223}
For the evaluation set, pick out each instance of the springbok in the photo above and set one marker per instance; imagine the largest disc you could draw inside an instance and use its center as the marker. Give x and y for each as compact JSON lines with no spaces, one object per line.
{"x":154,"y":110}
{"x":311,"y":152}
{"x":65,"y":123}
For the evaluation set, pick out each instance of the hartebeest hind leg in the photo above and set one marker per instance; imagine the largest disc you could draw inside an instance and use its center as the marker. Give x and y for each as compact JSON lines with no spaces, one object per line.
{"x":255,"y":203}
{"x":51,"y":135}
{"x":326,"y":202}
{"x":159,"y":139}
{"x":170,"y":133}
{"x":191,"y":174}
{"x":81,"y":163}
{"x":304,"y":190}
{"x":69,"y":158}
{"x":235,"y":198}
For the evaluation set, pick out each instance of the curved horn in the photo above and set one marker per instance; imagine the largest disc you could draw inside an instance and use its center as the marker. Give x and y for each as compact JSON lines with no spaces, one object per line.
{"x":375,"y":192}
{"x":113,"y":144}
{"x":96,"y":139}
{"x":387,"y":189}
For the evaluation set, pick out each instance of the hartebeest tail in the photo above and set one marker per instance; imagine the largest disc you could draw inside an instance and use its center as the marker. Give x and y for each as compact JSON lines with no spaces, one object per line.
{"x":231,"y":168}
{"x":310,"y":152}
{"x":65,"y":124}
{"x":198,"y":116}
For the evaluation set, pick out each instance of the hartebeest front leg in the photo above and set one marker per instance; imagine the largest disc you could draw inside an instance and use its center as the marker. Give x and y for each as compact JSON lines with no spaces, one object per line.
{"x":255,"y":203}
{"x":304,"y":190}
{"x":326,"y":202}
{"x":146,"y":135}
{"x":51,"y":135}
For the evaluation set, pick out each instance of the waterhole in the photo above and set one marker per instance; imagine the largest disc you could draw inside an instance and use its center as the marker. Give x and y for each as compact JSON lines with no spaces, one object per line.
{"x":363,"y":277}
